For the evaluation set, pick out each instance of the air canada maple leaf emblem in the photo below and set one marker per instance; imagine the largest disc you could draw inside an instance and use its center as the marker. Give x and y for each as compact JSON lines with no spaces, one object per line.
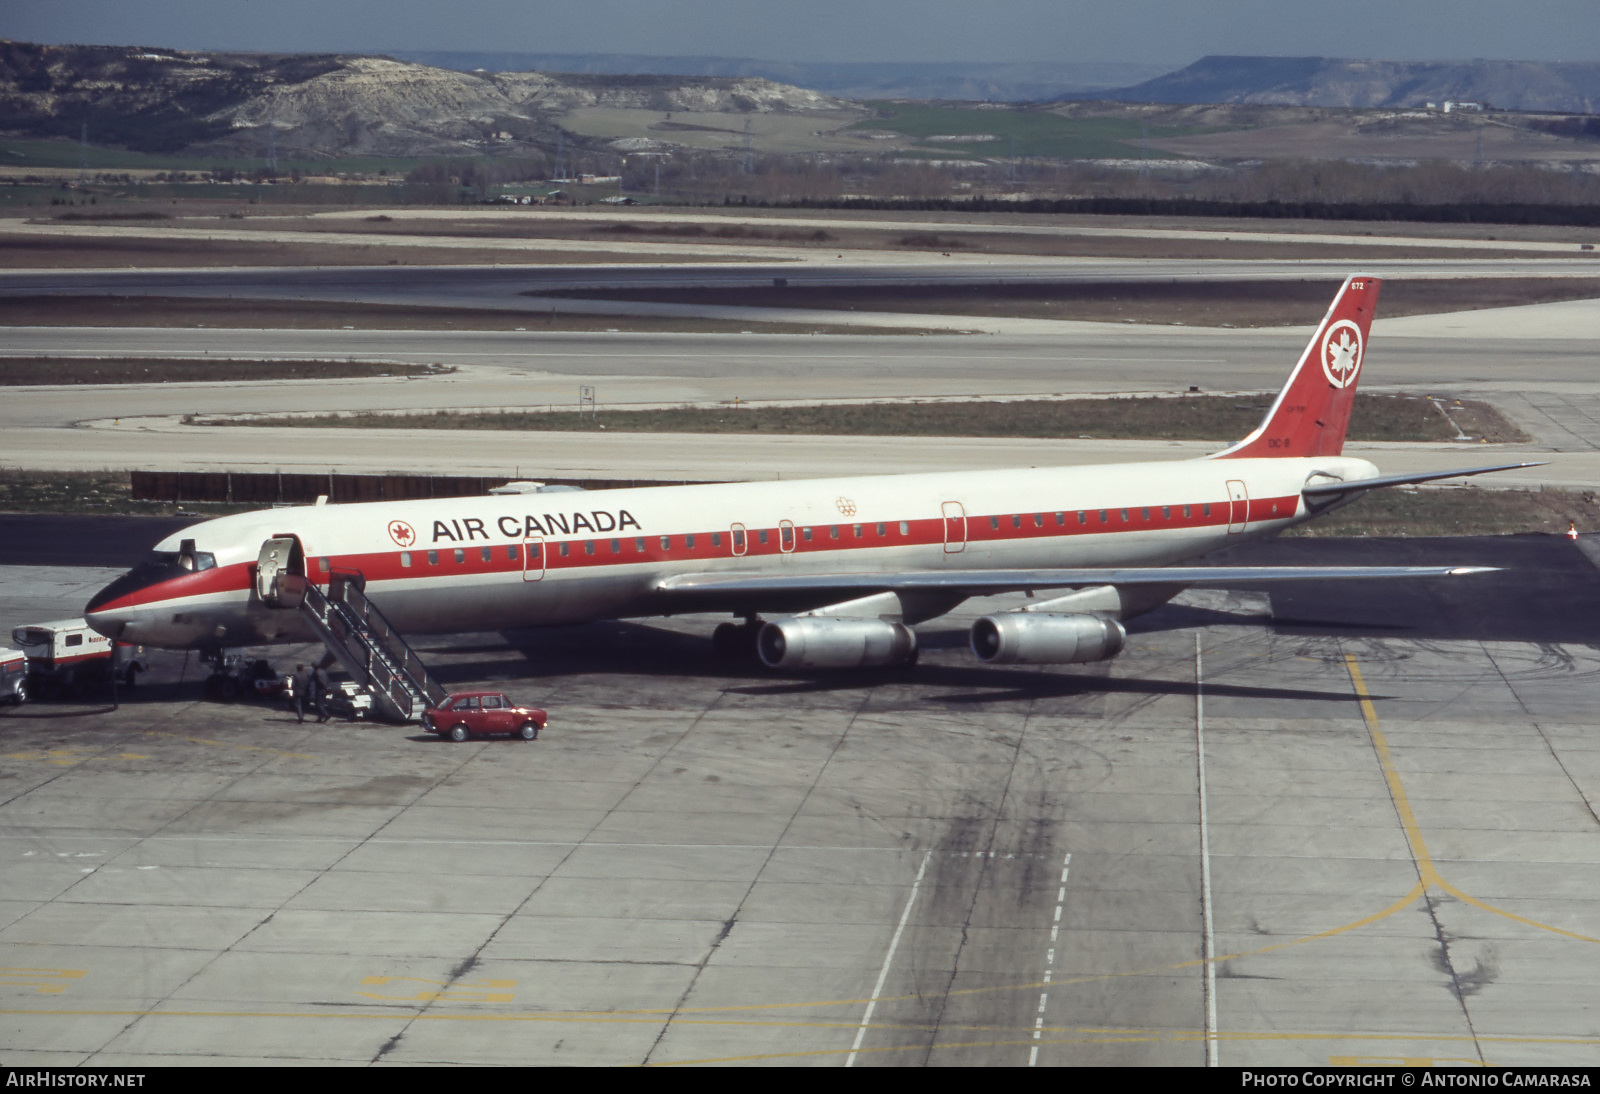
{"x":402,"y":533}
{"x":1341,"y":353}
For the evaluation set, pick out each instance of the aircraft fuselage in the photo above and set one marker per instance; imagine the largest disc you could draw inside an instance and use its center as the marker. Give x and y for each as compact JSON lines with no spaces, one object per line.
{"x":494,"y":562}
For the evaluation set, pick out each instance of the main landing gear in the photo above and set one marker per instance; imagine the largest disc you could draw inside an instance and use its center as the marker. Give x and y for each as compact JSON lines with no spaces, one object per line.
{"x":735,"y":643}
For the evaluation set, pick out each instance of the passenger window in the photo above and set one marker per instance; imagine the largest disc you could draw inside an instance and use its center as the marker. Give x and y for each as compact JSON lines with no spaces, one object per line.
{"x":1124,"y":516}
{"x":905,"y":528}
{"x":833,"y":531}
{"x":857,"y":529}
{"x":994,"y":524}
{"x":805,"y":534}
{"x":762,"y":535}
{"x":1166,"y":512}
{"x":488,"y":554}
{"x":534,"y":551}
{"x":688,"y":542}
{"x":405,"y":558}
{"x":1146,"y":513}
{"x":511,"y":552}
{"x":1205,"y":510}
{"x":74,"y":639}
{"x":666,"y":543}
{"x":716,"y":539}
{"x":566,"y":549}
{"x":1038,"y":520}
{"x":433,"y":558}
{"x":1186,"y":512}
{"x":1083,"y":516}
{"x":616,"y":546}
{"x":1061,"y":518}
{"x":1016,"y":520}
{"x":461,"y":556}
{"x":881,"y":529}
{"x":322,"y":564}
{"x":638,"y":544}
{"x":1103,"y":516}
{"x":588,"y":546}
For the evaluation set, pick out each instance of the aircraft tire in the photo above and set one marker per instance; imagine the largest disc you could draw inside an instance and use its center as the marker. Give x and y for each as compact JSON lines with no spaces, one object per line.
{"x":734,"y":643}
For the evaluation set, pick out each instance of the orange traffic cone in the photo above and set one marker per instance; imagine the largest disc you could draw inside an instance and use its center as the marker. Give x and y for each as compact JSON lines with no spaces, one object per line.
{"x":1572,"y":529}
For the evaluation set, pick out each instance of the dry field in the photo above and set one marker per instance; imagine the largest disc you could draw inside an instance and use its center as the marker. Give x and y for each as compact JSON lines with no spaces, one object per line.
{"x":1190,"y":417}
{"x":1205,"y":304}
{"x":156,"y":311}
{"x":17,"y":371}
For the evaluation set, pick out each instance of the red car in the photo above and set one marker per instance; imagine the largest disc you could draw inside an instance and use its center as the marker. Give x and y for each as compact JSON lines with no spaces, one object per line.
{"x":481,"y":714}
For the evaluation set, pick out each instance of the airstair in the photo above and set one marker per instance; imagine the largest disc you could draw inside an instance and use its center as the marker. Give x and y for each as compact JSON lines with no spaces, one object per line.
{"x":354,"y":630}
{"x":370,"y":649}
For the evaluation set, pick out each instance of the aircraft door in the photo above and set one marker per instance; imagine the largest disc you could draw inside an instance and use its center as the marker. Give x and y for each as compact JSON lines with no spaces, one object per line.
{"x":281,"y":573}
{"x":955,"y":528}
{"x":1238,"y":506}
{"x":737,"y":537}
{"x":533,"y":553}
{"x":786,"y":536}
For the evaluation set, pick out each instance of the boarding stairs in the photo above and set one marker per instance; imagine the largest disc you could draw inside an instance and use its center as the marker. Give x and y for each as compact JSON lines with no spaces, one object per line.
{"x":370,"y":649}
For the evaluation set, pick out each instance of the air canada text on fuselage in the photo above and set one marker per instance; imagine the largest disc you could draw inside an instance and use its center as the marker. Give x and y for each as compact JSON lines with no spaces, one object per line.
{"x":596,"y":521}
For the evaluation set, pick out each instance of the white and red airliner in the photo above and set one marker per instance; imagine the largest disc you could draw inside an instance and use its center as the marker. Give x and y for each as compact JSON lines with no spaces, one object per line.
{"x":841,"y":568}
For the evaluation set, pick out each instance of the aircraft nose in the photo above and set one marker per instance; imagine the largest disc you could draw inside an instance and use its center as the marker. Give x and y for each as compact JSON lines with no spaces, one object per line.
{"x":111,"y":609}
{"x":99,"y":615}
{"x":110,"y":624}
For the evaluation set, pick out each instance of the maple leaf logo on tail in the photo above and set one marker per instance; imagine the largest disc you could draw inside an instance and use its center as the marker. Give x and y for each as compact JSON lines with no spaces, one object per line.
{"x":1341,"y":353}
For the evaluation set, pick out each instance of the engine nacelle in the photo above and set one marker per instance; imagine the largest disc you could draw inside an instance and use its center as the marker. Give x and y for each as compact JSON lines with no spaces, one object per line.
{"x":824,"y":642}
{"x":1041,"y":638}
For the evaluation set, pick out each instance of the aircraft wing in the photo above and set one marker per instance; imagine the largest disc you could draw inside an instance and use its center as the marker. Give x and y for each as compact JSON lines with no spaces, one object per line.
{"x":834,"y":587}
{"x":1336,"y":489}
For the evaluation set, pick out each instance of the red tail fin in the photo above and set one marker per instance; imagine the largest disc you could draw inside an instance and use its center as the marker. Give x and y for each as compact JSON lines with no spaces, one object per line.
{"x":1313,"y":409}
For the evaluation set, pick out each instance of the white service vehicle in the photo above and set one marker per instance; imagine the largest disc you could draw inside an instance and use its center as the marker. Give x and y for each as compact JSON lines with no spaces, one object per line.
{"x":13,"y":676}
{"x":66,"y":653}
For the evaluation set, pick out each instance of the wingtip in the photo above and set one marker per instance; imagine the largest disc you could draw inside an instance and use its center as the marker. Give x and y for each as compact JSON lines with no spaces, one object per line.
{"x":1464,"y":571}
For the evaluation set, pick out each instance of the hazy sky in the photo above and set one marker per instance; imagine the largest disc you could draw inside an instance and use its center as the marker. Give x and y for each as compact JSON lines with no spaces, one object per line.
{"x":1153,"y":31}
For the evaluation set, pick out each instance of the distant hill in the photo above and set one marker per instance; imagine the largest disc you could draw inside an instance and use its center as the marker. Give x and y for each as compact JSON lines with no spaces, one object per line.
{"x":1326,"y":81}
{"x":1000,"y":82}
{"x":162,"y":100}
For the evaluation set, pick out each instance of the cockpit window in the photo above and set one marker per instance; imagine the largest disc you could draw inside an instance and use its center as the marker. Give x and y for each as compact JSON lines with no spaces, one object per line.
{"x":200,"y":560}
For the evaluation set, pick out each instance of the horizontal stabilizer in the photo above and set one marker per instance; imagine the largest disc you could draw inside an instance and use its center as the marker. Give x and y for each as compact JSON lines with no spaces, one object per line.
{"x":1334,"y":489}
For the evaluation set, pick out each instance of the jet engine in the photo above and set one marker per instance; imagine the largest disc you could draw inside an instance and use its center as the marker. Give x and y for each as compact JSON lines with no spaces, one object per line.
{"x":825,"y":642}
{"x":1040,"y":638}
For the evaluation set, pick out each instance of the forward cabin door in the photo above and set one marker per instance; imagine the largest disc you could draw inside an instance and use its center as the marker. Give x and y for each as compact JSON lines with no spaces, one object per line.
{"x":1238,"y":506}
{"x":281,"y":573}
{"x":955,"y":528}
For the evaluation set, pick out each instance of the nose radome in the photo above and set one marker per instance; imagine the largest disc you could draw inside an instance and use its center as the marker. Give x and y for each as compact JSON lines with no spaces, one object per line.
{"x":110,"y":624}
